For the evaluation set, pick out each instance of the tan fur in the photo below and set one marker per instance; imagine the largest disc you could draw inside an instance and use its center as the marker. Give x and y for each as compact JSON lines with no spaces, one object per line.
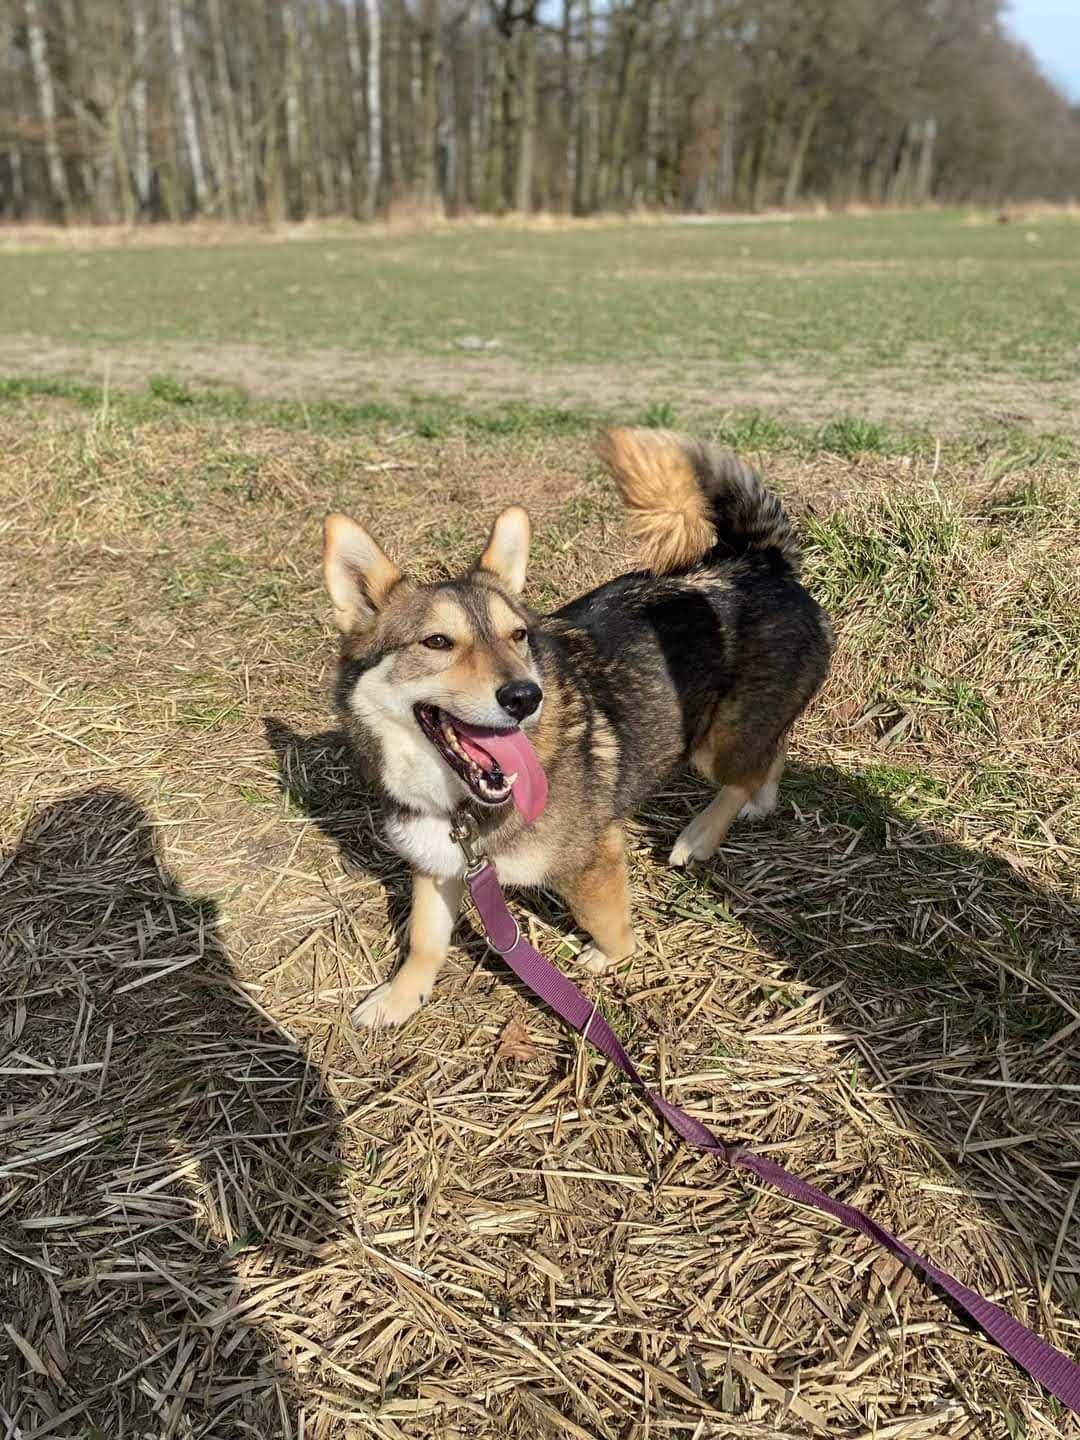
{"x":700,"y":838}
{"x":359,"y":575}
{"x":435,"y":907}
{"x":668,"y":513}
{"x":735,"y":750}
{"x":724,"y":756}
{"x":506,"y":555}
{"x":599,"y":899}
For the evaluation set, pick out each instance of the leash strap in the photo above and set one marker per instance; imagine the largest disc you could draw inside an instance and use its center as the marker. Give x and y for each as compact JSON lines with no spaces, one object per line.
{"x":1051,"y":1368}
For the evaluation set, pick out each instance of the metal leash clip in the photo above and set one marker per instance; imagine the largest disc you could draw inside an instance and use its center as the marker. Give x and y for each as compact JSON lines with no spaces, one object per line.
{"x":466,"y":832}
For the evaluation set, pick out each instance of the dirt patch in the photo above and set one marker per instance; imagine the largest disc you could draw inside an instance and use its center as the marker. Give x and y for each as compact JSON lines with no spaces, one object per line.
{"x":483,"y":381}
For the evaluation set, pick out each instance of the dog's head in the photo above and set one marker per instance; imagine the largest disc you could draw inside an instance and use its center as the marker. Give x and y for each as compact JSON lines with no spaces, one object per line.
{"x":438,"y":678}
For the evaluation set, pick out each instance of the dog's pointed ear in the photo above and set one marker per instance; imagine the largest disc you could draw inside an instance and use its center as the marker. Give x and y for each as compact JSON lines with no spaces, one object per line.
{"x":358,"y":574}
{"x":507,"y":553}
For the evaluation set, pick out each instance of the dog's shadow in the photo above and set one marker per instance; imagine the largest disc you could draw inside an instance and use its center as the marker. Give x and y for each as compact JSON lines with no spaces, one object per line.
{"x":954,"y":966}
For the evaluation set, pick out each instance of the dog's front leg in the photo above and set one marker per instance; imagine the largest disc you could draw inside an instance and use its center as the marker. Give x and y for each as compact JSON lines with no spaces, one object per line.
{"x":599,"y":899}
{"x":435,"y":907}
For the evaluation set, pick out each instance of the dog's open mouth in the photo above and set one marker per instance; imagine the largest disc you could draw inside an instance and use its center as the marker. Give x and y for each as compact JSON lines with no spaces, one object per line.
{"x":480,"y":770}
{"x":494,"y":764}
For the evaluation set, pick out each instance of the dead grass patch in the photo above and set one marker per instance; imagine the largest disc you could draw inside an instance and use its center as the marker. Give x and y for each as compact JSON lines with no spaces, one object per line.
{"x":894,"y":394}
{"x":224,"y":1213}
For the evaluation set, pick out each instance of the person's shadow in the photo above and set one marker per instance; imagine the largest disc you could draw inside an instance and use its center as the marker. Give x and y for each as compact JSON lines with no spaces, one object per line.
{"x":951,"y":971}
{"x":168,"y":1154}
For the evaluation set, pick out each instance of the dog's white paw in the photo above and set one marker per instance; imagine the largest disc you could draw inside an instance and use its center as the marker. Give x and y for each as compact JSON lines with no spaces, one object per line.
{"x":386,"y":1005}
{"x":761,"y":805}
{"x":695,"y":842}
{"x":593,"y":960}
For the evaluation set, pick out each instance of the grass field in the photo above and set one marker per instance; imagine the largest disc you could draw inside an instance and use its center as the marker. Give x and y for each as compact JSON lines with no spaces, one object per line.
{"x":931,"y":321}
{"x":225,"y":1213}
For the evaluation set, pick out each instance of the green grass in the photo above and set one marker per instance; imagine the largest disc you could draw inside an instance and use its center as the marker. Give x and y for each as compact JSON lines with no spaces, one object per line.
{"x":433,"y":417}
{"x":870,"y":287}
{"x":898,"y":566}
{"x":865,"y":315}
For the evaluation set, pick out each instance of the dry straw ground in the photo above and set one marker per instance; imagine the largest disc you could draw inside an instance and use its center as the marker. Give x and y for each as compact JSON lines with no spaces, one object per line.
{"x":224,"y":1214}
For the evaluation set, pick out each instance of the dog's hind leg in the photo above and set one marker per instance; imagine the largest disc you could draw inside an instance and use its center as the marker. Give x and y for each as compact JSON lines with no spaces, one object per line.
{"x":435,"y":908}
{"x":699,"y":839}
{"x":748,"y":776}
{"x":763,"y":800}
{"x":599,"y":899}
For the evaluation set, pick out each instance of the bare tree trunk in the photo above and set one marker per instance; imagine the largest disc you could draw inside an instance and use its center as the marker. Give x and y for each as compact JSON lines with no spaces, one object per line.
{"x":356,"y":83}
{"x":246,"y":143}
{"x":479,"y":130}
{"x":653,"y":140}
{"x":18,"y":184}
{"x":295,"y":180}
{"x":186,"y":101}
{"x":612,"y":185}
{"x":898,"y":191}
{"x":568,"y":179}
{"x":374,"y":107}
{"x":494,"y":197}
{"x":233,"y":186}
{"x":416,"y":86}
{"x":317,"y":52}
{"x":793,"y":184}
{"x":218,"y":163}
{"x":138,"y":107}
{"x":924,"y":177}
{"x":584,"y":141}
{"x":762,"y":161}
{"x":121,"y":170}
{"x":43,"y":80}
{"x":392,"y":109}
{"x":428,"y":106}
{"x":84,"y":147}
{"x":526,"y":148}
{"x":853,"y":187}
{"x":725,"y":177}
{"x":269,"y":83}
{"x":461,"y":63}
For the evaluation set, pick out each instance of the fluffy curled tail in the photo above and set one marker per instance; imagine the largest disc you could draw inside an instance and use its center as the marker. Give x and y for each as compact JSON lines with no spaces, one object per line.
{"x":689,"y":502}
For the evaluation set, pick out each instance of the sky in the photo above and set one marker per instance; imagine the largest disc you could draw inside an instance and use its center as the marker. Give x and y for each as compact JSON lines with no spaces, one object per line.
{"x":1051,"y":29}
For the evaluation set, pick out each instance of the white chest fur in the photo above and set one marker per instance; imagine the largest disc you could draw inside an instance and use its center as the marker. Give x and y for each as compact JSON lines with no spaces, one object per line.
{"x":424,"y":841}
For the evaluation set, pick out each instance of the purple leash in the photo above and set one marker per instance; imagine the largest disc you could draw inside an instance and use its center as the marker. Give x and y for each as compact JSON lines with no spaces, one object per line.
{"x":1051,"y":1368}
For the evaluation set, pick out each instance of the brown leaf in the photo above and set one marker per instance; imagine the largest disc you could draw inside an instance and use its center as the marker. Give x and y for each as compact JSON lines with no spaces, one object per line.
{"x":514,"y":1043}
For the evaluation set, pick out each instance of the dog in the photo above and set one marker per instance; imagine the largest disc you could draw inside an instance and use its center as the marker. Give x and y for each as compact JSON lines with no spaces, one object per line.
{"x":550,"y":730}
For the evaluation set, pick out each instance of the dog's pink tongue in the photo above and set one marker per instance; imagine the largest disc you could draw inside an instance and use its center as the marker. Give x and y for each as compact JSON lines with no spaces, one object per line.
{"x":511,"y":751}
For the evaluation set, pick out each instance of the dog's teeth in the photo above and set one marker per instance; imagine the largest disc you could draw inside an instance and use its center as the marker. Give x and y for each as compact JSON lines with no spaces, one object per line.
{"x":508,"y":780}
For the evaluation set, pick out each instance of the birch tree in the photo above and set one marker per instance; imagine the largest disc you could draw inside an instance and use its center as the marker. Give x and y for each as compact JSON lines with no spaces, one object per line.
{"x":139,"y":91}
{"x":46,"y":93}
{"x":186,"y":101}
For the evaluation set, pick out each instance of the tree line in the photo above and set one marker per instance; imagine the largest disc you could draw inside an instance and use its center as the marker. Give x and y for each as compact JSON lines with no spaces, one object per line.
{"x":130,"y":110}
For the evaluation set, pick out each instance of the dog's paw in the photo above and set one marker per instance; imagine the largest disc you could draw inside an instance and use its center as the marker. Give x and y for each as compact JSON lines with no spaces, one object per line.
{"x":593,"y":960}
{"x":386,"y":1005}
{"x":761,"y":805}
{"x":696,"y":842}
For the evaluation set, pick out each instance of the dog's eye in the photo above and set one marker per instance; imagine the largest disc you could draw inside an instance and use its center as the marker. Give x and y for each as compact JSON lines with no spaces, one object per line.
{"x":518,"y":636}
{"x":438,"y":642}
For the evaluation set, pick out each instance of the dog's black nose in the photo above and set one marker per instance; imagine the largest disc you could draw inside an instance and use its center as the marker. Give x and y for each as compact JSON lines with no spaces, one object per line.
{"x":519,"y":698}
